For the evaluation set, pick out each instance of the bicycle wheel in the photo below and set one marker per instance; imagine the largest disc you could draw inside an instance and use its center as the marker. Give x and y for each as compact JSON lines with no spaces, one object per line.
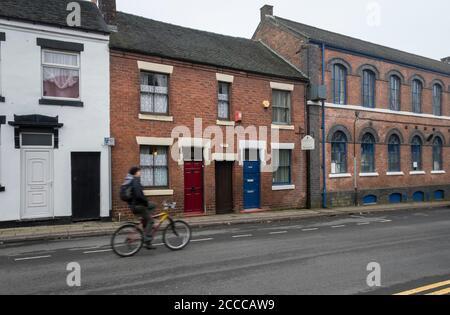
{"x":177,"y":235}
{"x":127,"y":240}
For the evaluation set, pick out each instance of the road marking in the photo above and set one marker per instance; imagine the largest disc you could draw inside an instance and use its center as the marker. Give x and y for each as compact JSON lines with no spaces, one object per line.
{"x":203,"y":240}
{"x":364,"y":223}
{"x":279,"y":232}
{"x":441,"y":292}
{"x":32,"y":258}
{"x":425,"y":288}
{"x":98,"y":251}
{"x":337,"y":226}
{"x":241,"y":236}
{"x":384,"y":221}
{"x":84,"y":248}
{"x":309,"y":230}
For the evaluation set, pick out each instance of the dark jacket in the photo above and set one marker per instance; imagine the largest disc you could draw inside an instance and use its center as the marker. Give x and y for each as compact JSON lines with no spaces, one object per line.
{"x":139,"y":198}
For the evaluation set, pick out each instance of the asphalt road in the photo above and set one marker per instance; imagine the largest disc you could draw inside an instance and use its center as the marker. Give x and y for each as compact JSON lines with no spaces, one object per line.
{"x":315,"y":256}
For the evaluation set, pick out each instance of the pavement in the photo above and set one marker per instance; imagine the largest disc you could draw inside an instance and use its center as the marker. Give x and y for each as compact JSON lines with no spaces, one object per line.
{"x":91,"y":229}
{"x":317,"y":255}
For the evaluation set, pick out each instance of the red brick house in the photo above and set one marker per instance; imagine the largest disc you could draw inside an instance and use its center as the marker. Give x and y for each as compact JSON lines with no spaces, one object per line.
{"x":387,"y":115}
{"x":174,"y":90}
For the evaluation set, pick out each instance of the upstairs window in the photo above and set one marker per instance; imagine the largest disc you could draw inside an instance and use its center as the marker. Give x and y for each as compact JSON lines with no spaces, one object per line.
{"x":437,"y":100}
{"x":154,"y":165}
{"x":368,"y":89}
{"x":339,"y":153}
{"x":154,"y":93}
{"x":339,"y":84}
{"x":417,"y":88}
{"x":368,"y":154}
{"x":281,"y":101}
{"x":395,"y":90}
{"x":394,"y":154}
{"x":224,"y":101}
{"x":416,"y":153}
{"x":437,"y":154}
{"x":61,"y":75}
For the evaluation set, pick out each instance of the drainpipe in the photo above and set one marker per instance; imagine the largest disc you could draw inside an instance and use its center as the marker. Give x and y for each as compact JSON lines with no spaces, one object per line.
{"x":324,"y":168}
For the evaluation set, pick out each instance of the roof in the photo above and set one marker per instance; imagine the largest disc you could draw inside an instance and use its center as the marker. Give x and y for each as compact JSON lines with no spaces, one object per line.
{"x":54,"y":13}
{"x":146,"y":36}
{"x":367,"y":48}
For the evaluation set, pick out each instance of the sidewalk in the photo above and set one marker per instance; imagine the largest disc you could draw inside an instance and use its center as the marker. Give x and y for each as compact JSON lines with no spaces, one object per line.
{"x":88,"y":229}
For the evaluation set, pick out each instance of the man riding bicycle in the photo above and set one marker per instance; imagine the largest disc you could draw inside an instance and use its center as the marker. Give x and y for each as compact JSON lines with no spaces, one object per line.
{"x":139,"y":204}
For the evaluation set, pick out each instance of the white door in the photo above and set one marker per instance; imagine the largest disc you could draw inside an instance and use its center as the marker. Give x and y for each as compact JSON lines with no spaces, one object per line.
{"x":37,"y":179}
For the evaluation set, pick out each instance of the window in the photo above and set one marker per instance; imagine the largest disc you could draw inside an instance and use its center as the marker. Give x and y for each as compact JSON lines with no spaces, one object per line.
{"x":339,"y":84}
{"x":416,"y":153}
{"x":281,"y":101}
{"x":368,"y":153}
{"x":437,"y":100}
{"x":394,"y":154}
{"x":395,"y":90}
{"x":154,"y":93}
{"x":339,"y":153}
{"x":154,"y":164}
{"x":251,"y":155}
{"x":282,"y":163}
{"x":61,"y":74}
{"x":437,"y":154}
{"x":368,"y":89}
{"x":417,"y":88}
{"x":37,"y":139}
{"x":224,"y":101}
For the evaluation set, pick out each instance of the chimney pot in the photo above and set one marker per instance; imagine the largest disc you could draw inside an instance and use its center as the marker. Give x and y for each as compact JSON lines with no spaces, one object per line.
{"x":108,"y":10}
{"x":266,"y":10}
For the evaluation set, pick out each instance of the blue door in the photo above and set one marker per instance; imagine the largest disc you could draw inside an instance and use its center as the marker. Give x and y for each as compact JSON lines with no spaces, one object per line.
{"x":252,"y":176}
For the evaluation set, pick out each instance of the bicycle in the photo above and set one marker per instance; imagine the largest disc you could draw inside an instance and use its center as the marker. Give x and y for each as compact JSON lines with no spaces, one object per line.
{"x":128,"y":239}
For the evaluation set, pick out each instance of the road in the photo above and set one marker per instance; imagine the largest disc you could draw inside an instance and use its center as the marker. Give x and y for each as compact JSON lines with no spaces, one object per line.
{"x":314,"y":256}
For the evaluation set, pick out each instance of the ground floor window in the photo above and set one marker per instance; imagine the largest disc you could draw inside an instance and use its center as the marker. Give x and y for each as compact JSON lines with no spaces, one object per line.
{"x":154,"y":165}
{"x":282,"y":165}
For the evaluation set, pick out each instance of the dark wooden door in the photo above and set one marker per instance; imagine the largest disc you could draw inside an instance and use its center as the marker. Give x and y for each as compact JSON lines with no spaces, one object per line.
{"x":193,"y":187}
{"x":85,"y":185}
{"x":224,"y":187}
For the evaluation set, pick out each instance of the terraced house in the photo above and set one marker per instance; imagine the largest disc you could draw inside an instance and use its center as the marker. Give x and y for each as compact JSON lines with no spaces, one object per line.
{"x":164,"y":77}
{"x":386,"y":115}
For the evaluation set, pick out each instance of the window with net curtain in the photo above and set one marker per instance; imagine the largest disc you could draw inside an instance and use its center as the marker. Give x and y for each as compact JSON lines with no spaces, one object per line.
{"x":154,"y":93}
{"x":224,"y":101}
{"x":368,"y":153}
{"x":61,"y":75}
{"x":416,"y":153}
{"x":437,"y":154}
{"x":394,"y":154}
{"x":417,"y":88}
{"x":339,"y":84}
{"x":281,"y":107}
{"x":282,"y":167}
{"x":437,"y":100}
{"x":154,"y":166}
{"x":339,"y":153}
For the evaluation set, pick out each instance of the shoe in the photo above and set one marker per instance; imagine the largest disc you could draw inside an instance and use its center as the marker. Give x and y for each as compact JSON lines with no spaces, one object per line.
{"x":149,"y":246}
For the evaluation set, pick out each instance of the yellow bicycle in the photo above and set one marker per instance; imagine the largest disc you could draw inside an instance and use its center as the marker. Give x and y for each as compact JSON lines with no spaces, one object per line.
{"x":128,"y":240}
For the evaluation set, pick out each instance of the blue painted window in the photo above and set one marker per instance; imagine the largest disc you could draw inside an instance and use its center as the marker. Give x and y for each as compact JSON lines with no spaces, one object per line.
{"x":416,"y":153}
{"x":282,"y":163}
{"x":417,"y":88}
{"x":339,"y":153}
{"x":419,"y":196}
{"x":437,"y":100}
{"x":370,"y":200}
{"x":437,"y":154}
{"x":439,"y":195}
{"x":368,"y":153}
{"x":339,"y":84}
{"x":368,"y":89}
{"x":394,"y":154}
{"x":395,"y":90}
{"x":395,"y":198}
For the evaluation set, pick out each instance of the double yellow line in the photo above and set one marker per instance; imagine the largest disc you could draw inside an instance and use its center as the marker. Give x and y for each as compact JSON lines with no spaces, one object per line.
{"x":443,"y":288}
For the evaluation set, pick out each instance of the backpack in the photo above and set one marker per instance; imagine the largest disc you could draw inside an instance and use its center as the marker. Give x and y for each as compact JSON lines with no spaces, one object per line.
{"x":126,"y":191}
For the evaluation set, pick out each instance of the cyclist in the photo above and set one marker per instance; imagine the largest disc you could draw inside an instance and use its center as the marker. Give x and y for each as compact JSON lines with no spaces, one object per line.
{"x":140,"y":205}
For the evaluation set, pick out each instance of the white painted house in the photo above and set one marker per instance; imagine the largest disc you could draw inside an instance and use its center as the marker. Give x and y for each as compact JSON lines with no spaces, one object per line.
{"x":54,"y":112}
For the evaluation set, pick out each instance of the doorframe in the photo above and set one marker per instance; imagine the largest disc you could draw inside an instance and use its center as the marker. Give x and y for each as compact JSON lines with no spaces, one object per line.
{"x":232,"y":182}
{"x":23,"y":184}
{"x":261,"y":146}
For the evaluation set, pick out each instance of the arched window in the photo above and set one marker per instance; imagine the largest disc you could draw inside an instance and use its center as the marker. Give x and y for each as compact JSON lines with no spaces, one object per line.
{"x":394,"y":154}
{"x":437,"y":100}
{"x":368,"y":153}
{"x":437,"y":154}
{"x":416,"y":153}
{"x":368,"y":89}
{"x":417,"y":88}
{"x":395,"y":90}
{"x":339,"y":84}
{"x":339,"y":153}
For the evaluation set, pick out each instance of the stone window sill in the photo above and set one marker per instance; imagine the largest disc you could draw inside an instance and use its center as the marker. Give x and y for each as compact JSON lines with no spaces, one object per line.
{"x":374,"y":174}
{"x":417,"y":173}
{"x":438,"y":172}
{"x":159,"y":192}
{"x":283,"y":187}
{"x":282,"y":127}
{"x":225,"y":123}
{"x":395,"y":174}
{"x":155,"y":117}
{"x":343,"y":175}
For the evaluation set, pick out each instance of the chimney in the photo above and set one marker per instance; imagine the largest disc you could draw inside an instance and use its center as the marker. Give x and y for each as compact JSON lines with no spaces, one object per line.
{"x":108,"y":10}
{"x":446,"y":60}
{"x":266,"y":10}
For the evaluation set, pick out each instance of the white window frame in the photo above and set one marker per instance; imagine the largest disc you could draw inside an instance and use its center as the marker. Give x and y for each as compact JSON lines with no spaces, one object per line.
{"x":43,"y":64}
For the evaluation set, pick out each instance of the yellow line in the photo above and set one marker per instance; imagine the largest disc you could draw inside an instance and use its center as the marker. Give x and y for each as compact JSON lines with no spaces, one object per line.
{"x":425,"y":288}
{"x":441,"y":292}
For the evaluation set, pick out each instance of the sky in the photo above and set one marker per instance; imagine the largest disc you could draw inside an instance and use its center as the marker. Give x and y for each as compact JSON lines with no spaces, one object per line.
{"x":417,"y":26}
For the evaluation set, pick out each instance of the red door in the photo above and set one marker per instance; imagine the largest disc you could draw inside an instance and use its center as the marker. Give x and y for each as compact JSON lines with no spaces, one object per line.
{"x":193,"y":187}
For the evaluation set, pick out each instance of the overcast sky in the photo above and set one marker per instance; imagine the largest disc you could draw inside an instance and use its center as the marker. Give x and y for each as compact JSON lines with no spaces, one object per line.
{"x":417,"y":26}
